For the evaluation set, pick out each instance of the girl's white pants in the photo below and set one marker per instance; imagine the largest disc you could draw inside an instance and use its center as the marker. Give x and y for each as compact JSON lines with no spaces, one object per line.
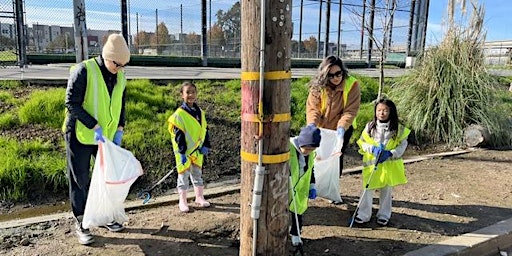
{"x":365,"y":208}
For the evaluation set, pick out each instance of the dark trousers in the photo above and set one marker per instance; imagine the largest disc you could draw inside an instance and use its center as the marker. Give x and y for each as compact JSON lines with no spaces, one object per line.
{"x":295,"y":231}
{"x":346,"y":141}
{"x":79,"y":165}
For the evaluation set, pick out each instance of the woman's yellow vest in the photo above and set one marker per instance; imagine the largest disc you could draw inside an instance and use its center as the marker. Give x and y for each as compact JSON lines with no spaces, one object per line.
{"x":99,"y":104}
{"x":389,"y":173}
{"x":195,"y":134}
{"x":349,"y":83}
{"x":299,"y":185}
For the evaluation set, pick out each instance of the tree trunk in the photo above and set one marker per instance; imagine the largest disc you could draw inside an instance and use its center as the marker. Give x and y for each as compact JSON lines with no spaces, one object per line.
{"x":268,"y":233}
{"x":476,"y":135}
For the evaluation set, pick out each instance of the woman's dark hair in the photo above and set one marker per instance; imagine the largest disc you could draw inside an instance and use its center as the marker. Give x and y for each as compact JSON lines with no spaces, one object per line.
{"x":321,"y":79}
{"x":393,"y":116}
{"x":330,"y":61}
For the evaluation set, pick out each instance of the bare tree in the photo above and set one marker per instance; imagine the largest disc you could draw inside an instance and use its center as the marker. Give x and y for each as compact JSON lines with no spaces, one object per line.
{"x":379,"y":38}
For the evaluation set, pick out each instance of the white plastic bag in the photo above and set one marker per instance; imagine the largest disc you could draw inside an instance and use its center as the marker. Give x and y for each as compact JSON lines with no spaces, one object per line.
{"x":327,"y":164}
{"x":115,"y":170}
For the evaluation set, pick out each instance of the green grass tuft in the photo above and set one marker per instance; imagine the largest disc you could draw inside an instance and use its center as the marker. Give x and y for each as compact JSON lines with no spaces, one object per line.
{"x":44,"y":107}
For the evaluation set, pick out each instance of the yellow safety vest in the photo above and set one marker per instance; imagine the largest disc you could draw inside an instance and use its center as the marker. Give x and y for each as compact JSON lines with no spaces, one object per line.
{"x":99,"y":104}
{"x":195,"y":134}
{"x":300,"y":184}
{"x":389,"y":173}
{"x":349,"y":83}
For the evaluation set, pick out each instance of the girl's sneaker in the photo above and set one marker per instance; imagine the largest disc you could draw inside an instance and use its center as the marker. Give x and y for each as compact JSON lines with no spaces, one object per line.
{"x":382,"y":222}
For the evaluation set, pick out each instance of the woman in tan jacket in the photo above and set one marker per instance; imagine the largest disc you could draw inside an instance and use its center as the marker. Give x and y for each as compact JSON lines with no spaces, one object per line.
{"x":333,"y":101}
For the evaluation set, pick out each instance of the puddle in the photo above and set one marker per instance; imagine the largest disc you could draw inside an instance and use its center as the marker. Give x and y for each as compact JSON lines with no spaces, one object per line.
{"x":36,"y":211}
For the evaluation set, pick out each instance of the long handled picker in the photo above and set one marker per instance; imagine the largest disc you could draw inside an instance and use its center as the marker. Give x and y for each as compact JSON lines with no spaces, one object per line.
{"x":298,"y":249}
{"x":146,"y":194}
{"x":365,"y":188}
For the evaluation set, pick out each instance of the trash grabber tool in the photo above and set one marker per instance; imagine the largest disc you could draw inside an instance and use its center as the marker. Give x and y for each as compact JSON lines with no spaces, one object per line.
{"x":146,"y":194}
{"x":365,"y":188}
{"x":298,"y":249}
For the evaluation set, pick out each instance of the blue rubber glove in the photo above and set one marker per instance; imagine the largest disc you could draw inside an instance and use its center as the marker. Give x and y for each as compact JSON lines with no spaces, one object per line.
{"x":98,"y":135}
{"x":341,"y":132}
{"x":385,"y":155}
{"x":312,"y":125}
{"x":204,"y":150}
{"x":377,"y":150}
{"x":312,"y":191}
{"x":183,"y":159}
{"x":117,"y":137}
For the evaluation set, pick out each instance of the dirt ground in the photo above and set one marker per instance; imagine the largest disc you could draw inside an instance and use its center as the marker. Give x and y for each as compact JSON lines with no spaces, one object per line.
{"x":445,"y":197}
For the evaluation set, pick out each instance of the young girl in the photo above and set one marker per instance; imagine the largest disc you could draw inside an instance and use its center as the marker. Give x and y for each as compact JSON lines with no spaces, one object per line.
{"x":190,"y":143}
{"x":384,"y":136}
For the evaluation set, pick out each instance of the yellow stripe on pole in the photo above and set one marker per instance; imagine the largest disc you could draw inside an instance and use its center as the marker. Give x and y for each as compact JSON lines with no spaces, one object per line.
{"x":267,"y":159}
{"x":284,"y":117}
{"x":271,"y":75}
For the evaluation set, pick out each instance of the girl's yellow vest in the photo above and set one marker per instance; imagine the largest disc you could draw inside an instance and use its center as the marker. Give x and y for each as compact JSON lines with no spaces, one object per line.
{"x":389,"y":173}
{"x":195,"y":134}
{"x":300,"y":184}
{"x":99,"y":104}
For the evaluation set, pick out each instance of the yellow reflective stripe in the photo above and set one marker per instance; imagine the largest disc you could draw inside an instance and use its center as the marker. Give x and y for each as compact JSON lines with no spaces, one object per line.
{"x":323,"y":102}
{"x":267,"y":159}
{"x":271,"y":75}
{"x":284,"y":117}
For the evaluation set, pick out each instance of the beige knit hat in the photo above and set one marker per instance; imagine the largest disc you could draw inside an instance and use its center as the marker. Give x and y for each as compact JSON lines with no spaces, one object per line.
{"x":116,"y":49}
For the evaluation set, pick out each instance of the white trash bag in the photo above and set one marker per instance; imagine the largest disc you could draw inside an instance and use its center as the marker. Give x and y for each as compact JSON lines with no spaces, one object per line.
{"x":327,"y":164}
{"x":115,"y":170}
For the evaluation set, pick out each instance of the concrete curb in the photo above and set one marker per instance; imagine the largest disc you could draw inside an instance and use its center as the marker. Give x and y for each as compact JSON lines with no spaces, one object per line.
{"x":215,"y":190}
{"x":486,"y":241}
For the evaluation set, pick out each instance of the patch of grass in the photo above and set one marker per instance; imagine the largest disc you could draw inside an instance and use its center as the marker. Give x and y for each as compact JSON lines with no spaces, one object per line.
{"x":8,"y":120}
{"x":29,"y":167}
{"x":299,"y":96}
{"x":8,"y":56}
{"x":369,"y":88}
{"x":44,"y":107}
{"x":365,"y":115}
{"x":10,"y":84}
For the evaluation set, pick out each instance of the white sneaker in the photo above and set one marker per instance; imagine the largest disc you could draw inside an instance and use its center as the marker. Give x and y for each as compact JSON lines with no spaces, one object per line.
{"x":84,"y":236}
{"x":336,"y":202}
{"x":296,"y":240}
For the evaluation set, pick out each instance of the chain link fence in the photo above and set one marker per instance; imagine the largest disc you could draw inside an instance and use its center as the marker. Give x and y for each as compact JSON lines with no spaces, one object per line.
{"x":173,"y":28}
{"x":8,"y":34}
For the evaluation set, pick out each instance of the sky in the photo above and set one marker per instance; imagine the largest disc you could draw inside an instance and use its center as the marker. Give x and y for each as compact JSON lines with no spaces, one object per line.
{"x":184,"y":16}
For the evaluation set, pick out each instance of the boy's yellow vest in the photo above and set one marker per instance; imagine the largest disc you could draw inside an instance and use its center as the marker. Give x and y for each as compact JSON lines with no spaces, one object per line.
{"x":349,"y":83}
{"x":99,"y":104}
{"x":195,"y":134}
{"x":389,"y":173}
{"x":300,"y":185}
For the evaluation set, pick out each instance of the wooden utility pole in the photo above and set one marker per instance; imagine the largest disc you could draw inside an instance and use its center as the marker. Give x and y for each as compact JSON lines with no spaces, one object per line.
{"x":265,"y":126}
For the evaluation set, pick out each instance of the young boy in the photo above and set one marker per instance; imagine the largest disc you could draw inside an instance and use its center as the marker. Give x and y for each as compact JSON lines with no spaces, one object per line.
{"x":302,"y":177}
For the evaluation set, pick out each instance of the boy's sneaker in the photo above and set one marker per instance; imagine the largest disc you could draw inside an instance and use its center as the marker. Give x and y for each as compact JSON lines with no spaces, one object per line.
{"x":114,"y":227}
{"x":296,"y":240}
{"x":84,"y":236}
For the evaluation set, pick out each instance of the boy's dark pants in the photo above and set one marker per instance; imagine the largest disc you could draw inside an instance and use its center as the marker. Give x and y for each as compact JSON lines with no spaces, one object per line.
{"x":78,"y":164}
{"x":294,"y":231}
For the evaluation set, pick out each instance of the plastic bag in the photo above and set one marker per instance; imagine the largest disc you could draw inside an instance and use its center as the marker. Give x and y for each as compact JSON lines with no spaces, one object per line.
{"x":115,"y":170}
{"x":327,"y":164}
